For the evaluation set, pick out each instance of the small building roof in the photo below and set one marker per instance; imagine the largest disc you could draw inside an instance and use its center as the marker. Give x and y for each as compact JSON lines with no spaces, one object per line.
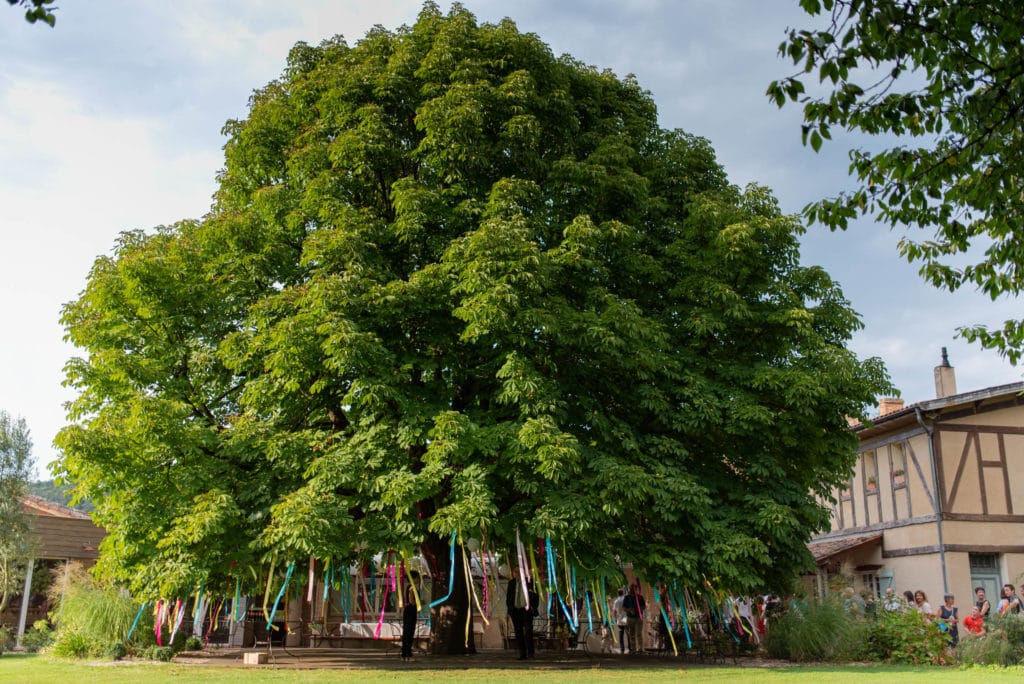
{"x":61,"y":532}
{"x":35,"y":505}
{"x":826,"y":549}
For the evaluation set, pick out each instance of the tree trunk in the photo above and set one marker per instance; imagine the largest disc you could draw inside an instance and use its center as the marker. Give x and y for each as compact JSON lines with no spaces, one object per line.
{"x":448,"y":620}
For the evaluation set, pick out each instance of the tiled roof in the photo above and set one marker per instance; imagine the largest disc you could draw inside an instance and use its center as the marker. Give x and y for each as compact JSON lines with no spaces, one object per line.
{"x":35,"y":505}
{"x":827,"y":548}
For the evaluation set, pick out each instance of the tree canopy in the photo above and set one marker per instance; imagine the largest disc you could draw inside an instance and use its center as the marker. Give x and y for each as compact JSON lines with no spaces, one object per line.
{"x":944,"y":82}
{"x":452,"y":282}
{"x":15,"y":470}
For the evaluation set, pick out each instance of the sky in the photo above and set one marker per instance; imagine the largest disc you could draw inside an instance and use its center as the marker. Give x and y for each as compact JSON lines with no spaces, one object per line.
{"x":111,"y":121}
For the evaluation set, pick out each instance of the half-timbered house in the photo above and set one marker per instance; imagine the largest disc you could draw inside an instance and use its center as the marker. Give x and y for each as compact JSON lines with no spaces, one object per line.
{"x":936,"y":500}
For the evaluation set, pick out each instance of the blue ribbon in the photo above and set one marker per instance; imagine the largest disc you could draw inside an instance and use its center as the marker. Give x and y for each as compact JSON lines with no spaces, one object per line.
{"x":287,"y":579}
{"x":451,"y":574}
{"x":553,"y":574}
{"x":136,"y":622}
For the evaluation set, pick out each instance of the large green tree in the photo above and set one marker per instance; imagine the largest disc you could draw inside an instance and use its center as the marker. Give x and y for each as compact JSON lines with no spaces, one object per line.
{"x":15,"y":470}
{"x":943,"y":82}
{"x":450,"y":282}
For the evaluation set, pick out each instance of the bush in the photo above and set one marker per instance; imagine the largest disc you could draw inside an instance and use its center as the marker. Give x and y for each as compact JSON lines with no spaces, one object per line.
{"x":5,"y":638}
{"x":906,"y":638}
{"x":92,"y":613}
{"x":116,"y":651}
{"x":72,"y":645}
{"x":163,"y":653}
{"x":822,"y":632}
{"x":193,"y":643}
{"x":38,"y":637}
{"x":1002,"y":644}
{"x":180,"y":642}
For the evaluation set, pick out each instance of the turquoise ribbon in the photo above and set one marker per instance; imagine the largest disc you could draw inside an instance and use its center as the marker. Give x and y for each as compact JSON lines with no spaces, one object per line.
{"x":287,"y":579}
{"x":136,"y":622}
{"x":451,"y":574}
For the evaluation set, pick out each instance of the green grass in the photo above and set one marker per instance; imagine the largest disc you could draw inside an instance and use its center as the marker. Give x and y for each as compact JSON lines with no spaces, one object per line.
{"x":29,"y":669}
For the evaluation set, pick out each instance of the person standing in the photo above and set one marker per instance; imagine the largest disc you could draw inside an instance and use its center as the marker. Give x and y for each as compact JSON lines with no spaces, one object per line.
{"x":1010,"y":603}
{"x":619,"y":615}
{"x":522,"y":606}
{"x":921,"y":604}
{"x":948,"y":619}
{"x":984,"y":607}
{"x":408,"y":623}
{"x":892,"y":603}
{"x":635,"y":606}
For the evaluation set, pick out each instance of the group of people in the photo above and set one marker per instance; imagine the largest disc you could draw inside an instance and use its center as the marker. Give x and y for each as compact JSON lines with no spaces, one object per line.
{"x":627,"y":612}
{"x":947,"y":617}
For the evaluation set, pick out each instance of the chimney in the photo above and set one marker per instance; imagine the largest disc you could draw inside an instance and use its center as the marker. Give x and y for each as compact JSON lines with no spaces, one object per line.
{"x":945,"y":378}
{"x":887,"y":405}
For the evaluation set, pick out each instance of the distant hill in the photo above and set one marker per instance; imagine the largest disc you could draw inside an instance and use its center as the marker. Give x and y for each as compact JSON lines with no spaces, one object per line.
{"x":47,"y":489}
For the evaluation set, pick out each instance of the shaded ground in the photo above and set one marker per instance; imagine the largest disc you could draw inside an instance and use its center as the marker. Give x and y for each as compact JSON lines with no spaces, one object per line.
{"x":379,"y":659}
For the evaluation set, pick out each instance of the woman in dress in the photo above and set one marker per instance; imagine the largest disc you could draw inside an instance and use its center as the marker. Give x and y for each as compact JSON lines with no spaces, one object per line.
{"x":949,"y":619}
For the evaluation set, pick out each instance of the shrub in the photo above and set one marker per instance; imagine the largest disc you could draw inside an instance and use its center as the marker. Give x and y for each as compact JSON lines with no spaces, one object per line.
{"x":98,"y":614}
{"x":5,"y":638}
{"x":824,"y":631}
{"x":193,"y":643}
{"x":38,"y":637}
{"x":906,"y":638}
{"x":72,"y":645}
{"x":1002,"y":644}
{"x":180,"y":642}
{"x":164,"y":653}
{"x":116,"y":651}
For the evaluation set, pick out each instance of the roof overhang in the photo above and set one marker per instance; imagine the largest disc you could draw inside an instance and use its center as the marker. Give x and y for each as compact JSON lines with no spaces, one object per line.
{"x":826,"y":549}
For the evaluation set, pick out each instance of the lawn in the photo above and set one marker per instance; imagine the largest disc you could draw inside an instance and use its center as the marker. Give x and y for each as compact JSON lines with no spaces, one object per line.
{"x":30,"y":669}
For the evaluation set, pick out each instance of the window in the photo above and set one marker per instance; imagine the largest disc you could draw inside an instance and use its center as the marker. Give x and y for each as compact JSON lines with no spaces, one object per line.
{"x":899,"y":466}
{"x":871,"y":472}
{"x":873,"y":583}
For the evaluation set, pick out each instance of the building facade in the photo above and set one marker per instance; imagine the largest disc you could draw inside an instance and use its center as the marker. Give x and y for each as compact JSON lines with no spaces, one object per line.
{"x":60,"y":535}
{"x":936,"y":500}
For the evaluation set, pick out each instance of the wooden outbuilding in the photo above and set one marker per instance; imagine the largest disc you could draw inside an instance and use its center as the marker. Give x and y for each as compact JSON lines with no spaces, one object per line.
{"x":60,"y":535}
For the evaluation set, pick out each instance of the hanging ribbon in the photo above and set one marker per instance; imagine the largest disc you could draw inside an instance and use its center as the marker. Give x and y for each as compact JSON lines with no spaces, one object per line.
{"x":415,"y":590}
{"x":213,"y":621}
{"x":236,"y":614}
{"x":666,"y":621}
{"x":273,"y":611}
{"x":484,"y":578}
{"x":135,"y":622}
{"x":158,"y":621}
{"x":384,"y":603}
{"x":266,"y":591}
{"x":521,"y":559}
{"x":681,"y":606}
{"x":552,"y":573}
{"x":312,"y":580}
{"x":472,"y":588}
{"x":544,"y":590}
{"x":451,"y":574}
{"x":180,"y":609}
{"x":590,"y":619}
